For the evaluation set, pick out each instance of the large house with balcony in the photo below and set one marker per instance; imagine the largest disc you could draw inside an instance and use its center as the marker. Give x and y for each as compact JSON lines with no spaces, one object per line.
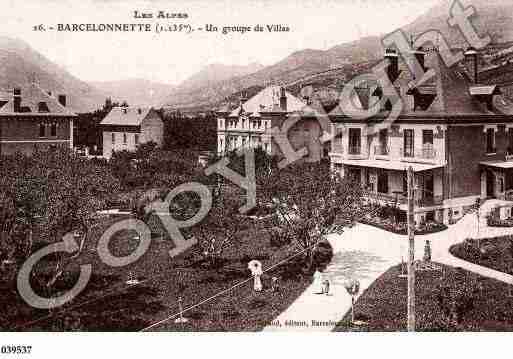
{"x":251,"y":124}
{"x":32,"y":119}
{"x":455,"y":133}
{"x":124,"y":128}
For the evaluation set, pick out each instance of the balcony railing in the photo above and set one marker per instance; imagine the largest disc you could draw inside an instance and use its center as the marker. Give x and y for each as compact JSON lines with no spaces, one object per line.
{"x":381,"y":150}
{"x":509,"y":154}
{"x":429,"y":201}
{"x":427,"y":153}
{"x":355,"y":150}
{"x":385,"y":197}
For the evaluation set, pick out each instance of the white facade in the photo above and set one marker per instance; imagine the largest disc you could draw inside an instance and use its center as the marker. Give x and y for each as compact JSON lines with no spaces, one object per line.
{"x":243,"y":131}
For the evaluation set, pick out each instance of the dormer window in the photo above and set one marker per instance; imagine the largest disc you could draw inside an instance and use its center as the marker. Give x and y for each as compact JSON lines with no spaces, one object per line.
{"x":485,"y":94}
{"x":423,"y":97}
{"x":42,"y":107}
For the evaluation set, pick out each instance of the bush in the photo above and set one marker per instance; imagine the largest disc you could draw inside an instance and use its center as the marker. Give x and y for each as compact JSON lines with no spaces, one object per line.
{"x":456,"y":295}
{"x":494,"y":220}
{"x":279,"y":237}
{"x":322,"y":255}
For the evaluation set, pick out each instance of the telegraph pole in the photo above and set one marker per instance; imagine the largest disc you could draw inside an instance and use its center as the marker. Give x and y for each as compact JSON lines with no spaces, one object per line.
{"x":411,"y":252}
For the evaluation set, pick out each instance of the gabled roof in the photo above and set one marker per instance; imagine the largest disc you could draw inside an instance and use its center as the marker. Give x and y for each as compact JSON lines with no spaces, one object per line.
{"x":125,"y":116}
{"x":34,"y":101}
{"x":268,"y":100}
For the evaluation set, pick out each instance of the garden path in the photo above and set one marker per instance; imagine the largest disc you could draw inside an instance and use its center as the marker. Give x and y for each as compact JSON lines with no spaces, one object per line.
{"x":364,"y":253}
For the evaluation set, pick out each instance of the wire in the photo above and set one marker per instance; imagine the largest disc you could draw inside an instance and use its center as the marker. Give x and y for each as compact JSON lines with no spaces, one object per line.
{"x":225,"y":290}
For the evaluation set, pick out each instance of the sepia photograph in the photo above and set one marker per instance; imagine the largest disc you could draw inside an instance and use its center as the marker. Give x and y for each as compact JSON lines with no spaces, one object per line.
{"x":300,"y":167}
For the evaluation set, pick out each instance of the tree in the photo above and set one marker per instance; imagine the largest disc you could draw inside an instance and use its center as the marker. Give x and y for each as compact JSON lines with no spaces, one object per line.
{"x":311,"y":202}
{"x":22,"y":201}
{"x":218,"y":231}
{"x":75,"y":190}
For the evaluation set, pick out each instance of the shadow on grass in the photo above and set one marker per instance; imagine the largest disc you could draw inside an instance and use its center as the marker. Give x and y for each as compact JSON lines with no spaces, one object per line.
{"x":95,"y":309}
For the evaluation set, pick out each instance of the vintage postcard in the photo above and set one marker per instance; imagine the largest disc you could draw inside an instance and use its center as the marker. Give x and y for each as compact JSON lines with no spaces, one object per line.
{"x":292,"y":166}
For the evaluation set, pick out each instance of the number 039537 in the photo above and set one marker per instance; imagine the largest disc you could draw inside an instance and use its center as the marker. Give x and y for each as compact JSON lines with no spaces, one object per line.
{"x":15,"y":349}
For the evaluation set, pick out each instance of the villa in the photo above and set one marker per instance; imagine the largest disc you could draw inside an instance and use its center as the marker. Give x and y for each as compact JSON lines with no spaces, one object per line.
{"x":454,"y":132}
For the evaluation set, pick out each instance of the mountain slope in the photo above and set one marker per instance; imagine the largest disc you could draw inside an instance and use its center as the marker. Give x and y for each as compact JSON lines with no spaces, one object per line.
{"x":297,"y":65}
{"x":493,"y":16}
{"x":20,"y":65}
{"x":218,"y":72}
{"x":136,"y":92}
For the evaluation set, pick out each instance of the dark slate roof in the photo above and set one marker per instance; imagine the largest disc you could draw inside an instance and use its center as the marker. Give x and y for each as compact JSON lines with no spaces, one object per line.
{"x":35,"y":102}
{"x":451,"y":89}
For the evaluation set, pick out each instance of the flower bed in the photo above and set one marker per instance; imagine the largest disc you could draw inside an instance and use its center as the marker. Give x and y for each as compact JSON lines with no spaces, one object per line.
{"x":494,"y":219}
{"x":495,"y":252}
{"x":401,"y":228}
{"x":452,"y":299}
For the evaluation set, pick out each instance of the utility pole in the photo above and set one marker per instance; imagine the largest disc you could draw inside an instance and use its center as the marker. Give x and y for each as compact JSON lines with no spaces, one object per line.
{"x":411,"y":252}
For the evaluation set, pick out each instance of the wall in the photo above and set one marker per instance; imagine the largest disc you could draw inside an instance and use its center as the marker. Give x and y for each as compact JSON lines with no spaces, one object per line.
{"x":466,"y":148}
{"x":152,"y":129}
{"x":24,"y":134}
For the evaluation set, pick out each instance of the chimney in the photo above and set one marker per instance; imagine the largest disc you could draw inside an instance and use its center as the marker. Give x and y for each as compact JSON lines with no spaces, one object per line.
{"x":283,"y":99}
{"x":62,"y":100}
{"x":17,"y":100}
{"x":420,"y":55}
{"x":471,"y":56}
{"x":124,"y":110}
{"x":243,"y":98}
{"x":139,"y":111}
{"x":49,"y":93}
{"x":393,"y":67}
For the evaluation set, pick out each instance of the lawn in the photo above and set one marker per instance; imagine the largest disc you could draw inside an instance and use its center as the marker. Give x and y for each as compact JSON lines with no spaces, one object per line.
{"x":109,"y":304}
{"x":486,"y":305}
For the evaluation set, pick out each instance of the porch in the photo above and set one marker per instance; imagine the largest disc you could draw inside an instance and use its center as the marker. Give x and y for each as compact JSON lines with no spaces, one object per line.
{"x":497,"y":180}
{"x":387,"y":184}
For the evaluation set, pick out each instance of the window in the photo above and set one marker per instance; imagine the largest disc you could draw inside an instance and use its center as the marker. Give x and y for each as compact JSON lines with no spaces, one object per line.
{"x":383,"y":142}
{"x":427,"y":137}
{"x":490,"y":140}
{"x":408,"y":143}
{"x":355,"y":139}
{"x":382,"y":182}
{"x":510,"y":141}
{"x":113,"y":137}
{"x":53,"y":130}
{"x":427,"y":144}
{"x":136,"y":139}
{"x":42,"y":130}
{"x":124,"y":138}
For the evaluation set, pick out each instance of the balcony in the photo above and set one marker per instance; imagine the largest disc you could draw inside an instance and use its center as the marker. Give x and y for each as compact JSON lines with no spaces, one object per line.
{"x":355,"y":150}
{"x":381,"y":150}
{"x":509,"y":154}
{"x":491,"y":150}
{"x":386,"y":198}
{"x":427,"y":153}
{"x":429,"y":201}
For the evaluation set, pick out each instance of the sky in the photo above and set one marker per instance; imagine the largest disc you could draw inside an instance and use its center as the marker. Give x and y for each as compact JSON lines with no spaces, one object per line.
{"x":172,"y":57}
